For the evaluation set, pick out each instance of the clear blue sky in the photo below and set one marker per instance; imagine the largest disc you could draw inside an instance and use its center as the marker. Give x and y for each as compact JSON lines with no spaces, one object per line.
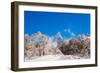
{"x":68,"y":24}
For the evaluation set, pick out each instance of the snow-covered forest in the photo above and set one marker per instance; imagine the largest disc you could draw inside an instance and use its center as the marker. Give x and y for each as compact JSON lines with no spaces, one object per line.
{"x":41,"y":47}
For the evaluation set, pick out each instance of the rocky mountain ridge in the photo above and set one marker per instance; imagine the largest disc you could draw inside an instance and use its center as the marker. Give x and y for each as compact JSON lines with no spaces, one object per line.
{"x":39,"y":44}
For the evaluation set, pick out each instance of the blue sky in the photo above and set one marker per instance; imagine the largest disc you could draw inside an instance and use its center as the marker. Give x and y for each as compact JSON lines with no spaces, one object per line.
{"x":68,"y":24}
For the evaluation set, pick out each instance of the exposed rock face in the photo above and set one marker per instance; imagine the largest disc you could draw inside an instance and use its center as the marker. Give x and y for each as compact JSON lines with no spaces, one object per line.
{"x":76,"y":46}
{"x":39,"y":45}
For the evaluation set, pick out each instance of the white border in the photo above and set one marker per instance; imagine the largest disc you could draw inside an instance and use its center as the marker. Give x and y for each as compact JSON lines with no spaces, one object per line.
{"x":23,"y":64}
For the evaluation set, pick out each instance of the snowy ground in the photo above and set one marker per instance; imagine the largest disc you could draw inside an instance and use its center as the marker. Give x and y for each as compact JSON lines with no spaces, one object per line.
{"x":53,"y":58}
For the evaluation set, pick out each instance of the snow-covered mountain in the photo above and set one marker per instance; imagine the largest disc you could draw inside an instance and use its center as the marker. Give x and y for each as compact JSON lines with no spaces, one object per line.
{"x":39,"y":44}
{"x":58,"y":38}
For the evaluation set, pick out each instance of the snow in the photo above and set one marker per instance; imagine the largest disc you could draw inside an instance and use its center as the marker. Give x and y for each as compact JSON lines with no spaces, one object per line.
{"x":53,"y":58}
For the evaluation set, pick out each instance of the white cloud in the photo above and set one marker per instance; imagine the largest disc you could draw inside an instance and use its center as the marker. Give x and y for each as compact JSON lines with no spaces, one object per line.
{"x":65,"y":30}
{"x":72,"y":34}
{"x":69,"y":31}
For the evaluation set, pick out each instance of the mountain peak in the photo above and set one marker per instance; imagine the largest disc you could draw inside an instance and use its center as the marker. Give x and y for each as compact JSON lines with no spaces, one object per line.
{"x":58,"y":35}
